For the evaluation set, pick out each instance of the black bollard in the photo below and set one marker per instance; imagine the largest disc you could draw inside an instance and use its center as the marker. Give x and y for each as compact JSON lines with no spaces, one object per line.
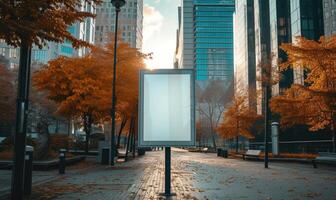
{"x":219,"y":152}
{"x":105,"y":156}
{"x":28,"y":171}
{"x":62,"y":163}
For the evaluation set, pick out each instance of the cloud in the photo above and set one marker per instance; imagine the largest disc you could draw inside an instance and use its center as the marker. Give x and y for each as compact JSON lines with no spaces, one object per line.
{"x":153,"y":21}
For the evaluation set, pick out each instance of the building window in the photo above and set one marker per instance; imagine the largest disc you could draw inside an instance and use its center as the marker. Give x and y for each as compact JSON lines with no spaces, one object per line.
{"x":2,"y":51}
{"x":12,"y":53}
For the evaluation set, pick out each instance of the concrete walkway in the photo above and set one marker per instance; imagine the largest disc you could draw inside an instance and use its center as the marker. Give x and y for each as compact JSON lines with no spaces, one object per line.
{"x":194,"y":176}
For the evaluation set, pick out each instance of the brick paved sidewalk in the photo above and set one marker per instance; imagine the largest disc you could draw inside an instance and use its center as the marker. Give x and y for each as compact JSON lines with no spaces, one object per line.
{"x":194,"y":176}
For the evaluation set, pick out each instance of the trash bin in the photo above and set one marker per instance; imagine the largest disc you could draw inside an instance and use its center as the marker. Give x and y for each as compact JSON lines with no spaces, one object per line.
{"x":219,"y":152}
{"x":28,"y":170}
{"x":224,"y":153}
{"x":141,"y":151}
{"x":105,"y":156}
{"x":62,"y":161}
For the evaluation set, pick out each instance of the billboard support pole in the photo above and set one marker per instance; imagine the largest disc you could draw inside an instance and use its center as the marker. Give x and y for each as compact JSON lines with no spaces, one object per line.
{"x":167,"y":171}
{"x":167,"y":192}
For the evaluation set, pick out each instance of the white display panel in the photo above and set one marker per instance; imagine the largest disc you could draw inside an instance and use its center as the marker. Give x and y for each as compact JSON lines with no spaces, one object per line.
{"x":167,"y":108}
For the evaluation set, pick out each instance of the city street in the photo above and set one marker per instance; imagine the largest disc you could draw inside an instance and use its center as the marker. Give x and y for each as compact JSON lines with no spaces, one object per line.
{"x":194,"y":176}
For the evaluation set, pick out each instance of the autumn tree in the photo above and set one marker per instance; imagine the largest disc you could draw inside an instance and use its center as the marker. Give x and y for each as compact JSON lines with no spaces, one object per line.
{"x":77,"y":87}
{"x":238,"y":120}
{"x":7,"y":95}
{"x":314,"y":103}
{"x":41,"y":116}
{"x":211,"y":102}
{"x":25,"y":23}
{"x":82,"y":87}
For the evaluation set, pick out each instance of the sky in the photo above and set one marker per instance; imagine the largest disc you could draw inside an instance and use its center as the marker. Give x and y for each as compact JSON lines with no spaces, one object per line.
{"x":159,"y":32}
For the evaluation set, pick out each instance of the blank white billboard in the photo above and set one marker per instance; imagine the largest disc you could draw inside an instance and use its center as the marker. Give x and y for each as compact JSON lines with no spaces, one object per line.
{"x":166,"y":108}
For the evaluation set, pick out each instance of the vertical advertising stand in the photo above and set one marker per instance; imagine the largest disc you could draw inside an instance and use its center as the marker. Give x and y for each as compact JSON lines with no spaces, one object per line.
{"x":167,"y":112}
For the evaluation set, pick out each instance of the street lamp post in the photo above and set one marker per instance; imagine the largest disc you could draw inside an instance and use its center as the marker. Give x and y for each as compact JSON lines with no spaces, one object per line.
{"x":267,"y":124}
{"x":117,"y":4}
{"x":21,"y":122}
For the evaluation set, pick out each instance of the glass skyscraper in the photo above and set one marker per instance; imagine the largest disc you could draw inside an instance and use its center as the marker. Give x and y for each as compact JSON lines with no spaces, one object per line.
{"x":329,"y":11}
{"x":262,"y":44}
{"x":280,"y":30}
{"x":213,"y":32}
{"x":244,"y":50}
{"x":206,"y":39}
{"x":130,"y":23}
{"x":306,"y":21}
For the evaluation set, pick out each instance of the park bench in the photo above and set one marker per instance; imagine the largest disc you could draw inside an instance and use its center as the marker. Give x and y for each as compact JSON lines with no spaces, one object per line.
{"x":251,"y":153}
{"x":326,"y":158}
{"x":204,"y":150}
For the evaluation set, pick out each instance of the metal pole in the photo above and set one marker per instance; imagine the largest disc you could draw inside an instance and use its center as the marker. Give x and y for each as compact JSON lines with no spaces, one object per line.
{"x":21,"y":122}
{"x":114,"y":98}
{"x":167,"y":171}
{"x":267,"y":119}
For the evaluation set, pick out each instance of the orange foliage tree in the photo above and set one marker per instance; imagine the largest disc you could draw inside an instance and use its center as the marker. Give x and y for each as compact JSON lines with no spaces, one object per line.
{"x":238,"y":120}
{"x":82,"y":87}
{"x":39,"y":21}
{"x":312,"y":104}
{"x":129,"y":61}
{"x":7,"y":95}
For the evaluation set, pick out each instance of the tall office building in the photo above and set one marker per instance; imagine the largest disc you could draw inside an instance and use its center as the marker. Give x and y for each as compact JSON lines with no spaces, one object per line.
{"x":177,"y":55}
{"x":262,"y":44}
{"x":329,"y":12}
{"x":185,"y":50}
{"x":206,"y":38}
{"x":130,"y":23}
{"x":280,"y":32}
{"x":306,"y":21}
{"x":81,"y":30}
{"x":244,"y":50}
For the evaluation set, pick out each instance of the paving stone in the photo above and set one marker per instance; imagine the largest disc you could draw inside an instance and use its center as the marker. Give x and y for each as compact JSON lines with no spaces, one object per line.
{"x":200,"y":176}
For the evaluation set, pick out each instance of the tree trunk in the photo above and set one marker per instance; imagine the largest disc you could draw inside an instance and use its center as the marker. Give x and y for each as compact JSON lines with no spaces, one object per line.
{"x":133,"y":138}
{"x":42,"y":148}
{"x":122,"y":125}
{"x":213,"y":136}
{"x":87,"y":129}
{"x":334,"y":141}
{"x":237,"y":138}
{"x":214,"y":139}
{"x":57,"y":126}
{"x":333,"y":134}
{"x":129,"y":138}
{"x":69,"y":127}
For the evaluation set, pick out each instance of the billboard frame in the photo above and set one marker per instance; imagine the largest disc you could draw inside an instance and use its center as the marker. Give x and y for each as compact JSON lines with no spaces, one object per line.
{"x":141,"y":142}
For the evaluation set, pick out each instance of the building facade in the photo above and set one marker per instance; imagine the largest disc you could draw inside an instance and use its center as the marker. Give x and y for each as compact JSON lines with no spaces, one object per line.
{"x":280,"y":32}
{"x":206,"y":39}
{"x":244,"y":50}
{"x":306,"y":21}
{"x":329,"y":13}
{"x":130,"y":23}
{"x":81,"y":30}
{"x":262,"y":45}
{"x":213,"y":36}
{"x":185,"y":50}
